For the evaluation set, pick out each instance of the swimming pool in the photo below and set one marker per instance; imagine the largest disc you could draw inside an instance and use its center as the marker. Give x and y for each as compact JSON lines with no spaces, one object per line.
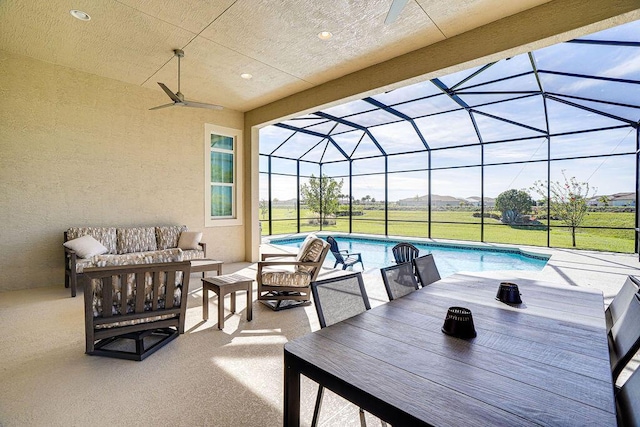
{"x":449,"y":258}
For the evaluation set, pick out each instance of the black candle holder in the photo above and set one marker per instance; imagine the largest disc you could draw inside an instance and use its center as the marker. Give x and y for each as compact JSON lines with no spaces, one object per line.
{"x":459,"y":323}
{"x":508,"y":293}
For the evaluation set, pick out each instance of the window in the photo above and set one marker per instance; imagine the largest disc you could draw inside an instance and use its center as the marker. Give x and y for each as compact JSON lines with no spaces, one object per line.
{"x":223,"y":201}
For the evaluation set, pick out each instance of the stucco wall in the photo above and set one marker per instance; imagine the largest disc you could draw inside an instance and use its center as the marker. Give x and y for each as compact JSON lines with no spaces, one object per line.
{"x":79,"y":150}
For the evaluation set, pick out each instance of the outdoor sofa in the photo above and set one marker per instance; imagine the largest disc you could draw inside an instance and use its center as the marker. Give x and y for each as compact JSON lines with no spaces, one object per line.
{"x":87,"y":247}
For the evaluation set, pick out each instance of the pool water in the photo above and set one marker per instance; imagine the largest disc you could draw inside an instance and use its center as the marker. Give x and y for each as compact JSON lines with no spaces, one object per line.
{"x":449,"y":259}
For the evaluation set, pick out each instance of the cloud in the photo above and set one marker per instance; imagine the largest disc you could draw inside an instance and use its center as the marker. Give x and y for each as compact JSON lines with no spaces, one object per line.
{"x":628,"y":68}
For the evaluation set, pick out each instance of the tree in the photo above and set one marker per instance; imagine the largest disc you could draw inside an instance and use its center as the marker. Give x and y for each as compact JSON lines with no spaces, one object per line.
{"x":604,"y":200}
{"x":568,"y":200}
{"x":518,"y":201}
{"x":321,"y":195}
{"x":264,"y":209}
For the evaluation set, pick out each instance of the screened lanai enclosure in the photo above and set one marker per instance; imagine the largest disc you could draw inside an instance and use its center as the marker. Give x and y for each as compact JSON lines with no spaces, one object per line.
{"x":537,"y":149}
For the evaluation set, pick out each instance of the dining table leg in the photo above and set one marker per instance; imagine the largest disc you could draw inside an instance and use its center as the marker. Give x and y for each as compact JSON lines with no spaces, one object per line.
{"x":291,"y":392}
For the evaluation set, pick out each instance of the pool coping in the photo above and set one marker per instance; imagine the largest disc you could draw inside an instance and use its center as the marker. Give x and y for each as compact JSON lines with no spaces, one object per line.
{"x":477,"y":246}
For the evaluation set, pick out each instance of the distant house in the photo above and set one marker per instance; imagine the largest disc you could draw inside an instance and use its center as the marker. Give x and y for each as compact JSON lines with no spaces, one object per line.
{"x":489,"y":202}
{"x":622,"y":199}
{"x":421,"y":201}
{"x":617,"y":199}
{"x":291,"y":203}
{"x":436,"y":200}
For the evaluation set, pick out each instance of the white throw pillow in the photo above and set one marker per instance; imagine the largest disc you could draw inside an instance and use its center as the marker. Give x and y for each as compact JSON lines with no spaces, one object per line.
{"x":86,"y":246}
{"x":189,"y":240}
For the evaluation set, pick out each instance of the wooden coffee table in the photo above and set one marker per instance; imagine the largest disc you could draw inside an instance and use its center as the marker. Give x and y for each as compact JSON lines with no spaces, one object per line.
{"x":204,"y":265}
{"x":223,"y":285}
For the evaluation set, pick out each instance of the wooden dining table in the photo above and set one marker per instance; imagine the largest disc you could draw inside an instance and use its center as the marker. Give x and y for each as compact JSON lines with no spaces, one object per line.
{"x":542,"y":362}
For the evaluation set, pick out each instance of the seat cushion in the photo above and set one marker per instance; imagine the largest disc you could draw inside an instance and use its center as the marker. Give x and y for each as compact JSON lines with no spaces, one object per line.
{"x":104,"y":235}
{"x":190,"y":254}
{"x":147,"y":257}
{"x":135,"y":321}
{"x":82,"y":263}
{"x":137,"y":239}
{"x":286,"y":278}
{"x":167,"y":236}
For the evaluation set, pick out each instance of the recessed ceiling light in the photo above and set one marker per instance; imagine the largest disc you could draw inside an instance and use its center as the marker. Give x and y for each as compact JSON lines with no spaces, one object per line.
{"x":246,"y":76}
{"x":324,"y":35}
{"x":83,"y":16}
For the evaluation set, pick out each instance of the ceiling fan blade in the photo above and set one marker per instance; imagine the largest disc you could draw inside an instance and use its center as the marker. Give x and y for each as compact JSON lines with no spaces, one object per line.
{"x":163,"y":106}
{"x":178,"y":98}
{"x":168,"y":92}
{"x":202,"y":105}
{"x":394,"y":11}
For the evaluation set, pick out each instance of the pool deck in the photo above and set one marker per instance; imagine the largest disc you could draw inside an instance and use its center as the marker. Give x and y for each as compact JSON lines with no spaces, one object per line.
{"x":606,"y":271}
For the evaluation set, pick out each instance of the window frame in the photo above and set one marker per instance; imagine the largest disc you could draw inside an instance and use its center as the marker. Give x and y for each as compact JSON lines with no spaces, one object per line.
{"x":236,"y":186}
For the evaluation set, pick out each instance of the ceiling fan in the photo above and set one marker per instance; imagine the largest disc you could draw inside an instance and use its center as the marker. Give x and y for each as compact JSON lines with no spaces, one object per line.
{"x":394,"y":11}
{"x":178,"y":97}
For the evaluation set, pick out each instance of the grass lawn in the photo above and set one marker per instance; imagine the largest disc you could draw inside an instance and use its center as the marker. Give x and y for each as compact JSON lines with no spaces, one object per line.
{"x":403,"y":223}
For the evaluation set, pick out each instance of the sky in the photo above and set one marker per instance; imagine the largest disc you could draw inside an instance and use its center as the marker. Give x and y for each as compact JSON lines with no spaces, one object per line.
{"x":453,"y":126}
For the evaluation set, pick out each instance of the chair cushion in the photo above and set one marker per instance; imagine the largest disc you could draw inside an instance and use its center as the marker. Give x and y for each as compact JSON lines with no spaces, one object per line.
{"x":167,"y":255}
{"x":137,"y":239}
{"x":167,"y":236}
{"x":310,"y":253}
{"x":86,"y":246}
{"x":135,"y":321}
{"x":305,"y":244}
{"x":104,"y":235}
{"x":286,"y":278}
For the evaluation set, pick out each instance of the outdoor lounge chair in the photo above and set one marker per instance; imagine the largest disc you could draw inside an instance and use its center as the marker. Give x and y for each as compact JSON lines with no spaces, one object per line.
{"x":133,"y":310}
{"x":284,"y":282}
{"x":344,"y":257}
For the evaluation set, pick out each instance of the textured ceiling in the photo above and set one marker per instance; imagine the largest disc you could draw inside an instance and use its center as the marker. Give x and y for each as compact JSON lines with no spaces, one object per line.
{"x":274,"y":40}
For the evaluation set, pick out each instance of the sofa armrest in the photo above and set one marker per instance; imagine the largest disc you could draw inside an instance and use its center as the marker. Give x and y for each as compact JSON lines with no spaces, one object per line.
{"x":70,"y":275}
{"x":71,"y":255}
{"x":204,"y":248}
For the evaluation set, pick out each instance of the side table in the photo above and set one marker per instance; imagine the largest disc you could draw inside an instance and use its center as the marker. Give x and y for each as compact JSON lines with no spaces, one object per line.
{"x":223,"y":285}
{"x":204,"y":265}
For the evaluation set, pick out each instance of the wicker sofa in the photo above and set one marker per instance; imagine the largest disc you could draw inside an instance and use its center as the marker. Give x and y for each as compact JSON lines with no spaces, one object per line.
{"x":127,"y":246}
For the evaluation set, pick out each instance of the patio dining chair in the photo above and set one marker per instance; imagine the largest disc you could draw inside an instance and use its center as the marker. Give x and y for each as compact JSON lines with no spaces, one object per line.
{"x":404,"y":252}
{"x":399,"y":280}
{"x":337,"y":299}
{"x":624,"y":337}
{"x":344,"y":257}
{"x":426,"y":270}
{"x":627,"y":399}
{"x":621,"y":301}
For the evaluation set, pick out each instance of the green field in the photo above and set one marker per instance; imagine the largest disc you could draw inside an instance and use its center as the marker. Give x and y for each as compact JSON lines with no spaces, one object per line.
{"x":466,"y":227}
